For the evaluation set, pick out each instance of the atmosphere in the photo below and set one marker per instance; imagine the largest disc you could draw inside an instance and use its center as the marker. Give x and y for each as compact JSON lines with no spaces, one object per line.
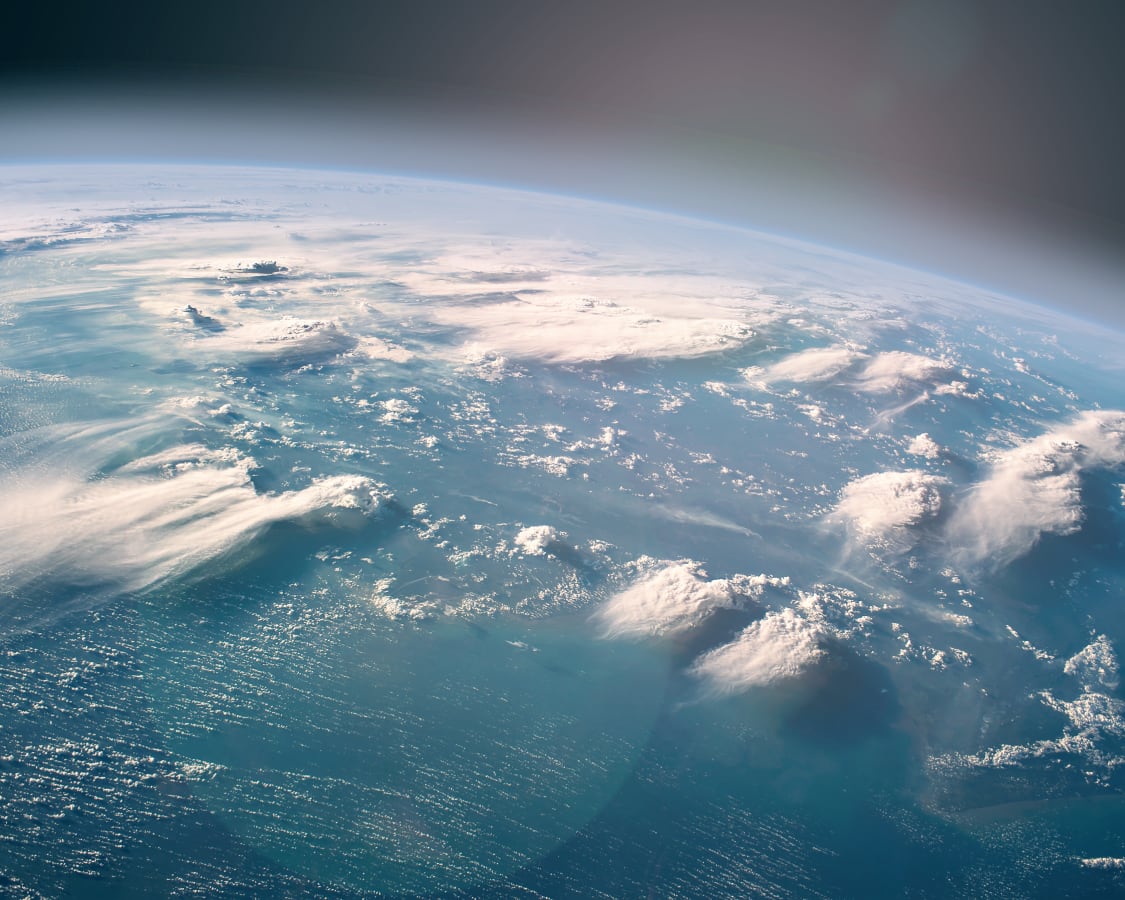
{"x":979,"y":140}
{"x":498,"y":450}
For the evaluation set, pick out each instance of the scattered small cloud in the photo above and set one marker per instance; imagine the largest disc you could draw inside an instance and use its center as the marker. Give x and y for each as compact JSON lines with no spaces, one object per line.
{"x":1095,"y":721}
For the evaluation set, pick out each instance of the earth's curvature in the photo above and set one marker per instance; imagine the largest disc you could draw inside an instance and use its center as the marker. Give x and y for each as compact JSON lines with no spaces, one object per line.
{"x":371,"y":536}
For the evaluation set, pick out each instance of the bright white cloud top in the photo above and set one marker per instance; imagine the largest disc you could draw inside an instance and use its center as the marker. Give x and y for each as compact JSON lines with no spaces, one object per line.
{"x":673,"y":598}
{"x":572,"y":329}
{"x":535,"y":540}
{"x":155,"y":518}
{"x":883,"y":508}
{"x":779,"y":647}
{"x":814,"y":364}
{"x":895,"y":370}
{"x":1035,"y":488}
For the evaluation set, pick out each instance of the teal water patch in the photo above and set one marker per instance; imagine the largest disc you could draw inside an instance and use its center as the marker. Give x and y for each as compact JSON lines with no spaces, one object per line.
{"x":381,"y":756}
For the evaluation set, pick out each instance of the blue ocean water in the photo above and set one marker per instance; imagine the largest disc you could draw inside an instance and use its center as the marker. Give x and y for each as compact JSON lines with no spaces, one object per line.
{"x":365,"y":537}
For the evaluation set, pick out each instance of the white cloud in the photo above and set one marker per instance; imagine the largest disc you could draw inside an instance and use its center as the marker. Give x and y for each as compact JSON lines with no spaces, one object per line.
{"x":535,"y":539}
{"x":674,"y":598}
{"x":895,"y":369}
{"x":778,"y":647}
{"x":881,"y":509}
{"x":554,"y":465}
{"x":155,"y":518}
{"x":1102,"y":862}
{"x":815,"y":364}
{"x":1095,"y":719}
{"x":878,"y":374}
{"x":562,"y":329}
{"x":397,"y":410}
{"x":924,"y":445}
{"x":1035,"y":489}
{"x":1095,"y":665}
{"x":286,"y":339}
{"x":553,"y":302}
{"x":200,"y":407}
{"x":378,"y":348}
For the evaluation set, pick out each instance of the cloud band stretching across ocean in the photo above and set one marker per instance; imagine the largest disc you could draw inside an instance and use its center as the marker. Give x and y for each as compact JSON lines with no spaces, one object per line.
{"x":156,"y":517}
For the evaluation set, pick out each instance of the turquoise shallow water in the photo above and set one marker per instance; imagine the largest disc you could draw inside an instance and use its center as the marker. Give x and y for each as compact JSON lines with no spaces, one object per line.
{"x":365,"y":537}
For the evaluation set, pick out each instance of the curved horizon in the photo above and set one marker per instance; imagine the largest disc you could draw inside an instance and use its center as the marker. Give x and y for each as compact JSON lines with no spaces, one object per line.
{"x":801,"y":198}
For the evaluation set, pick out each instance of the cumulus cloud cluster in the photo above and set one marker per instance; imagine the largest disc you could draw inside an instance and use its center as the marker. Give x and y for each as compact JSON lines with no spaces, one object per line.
{"x":924,"y":445}
{"x":549,"y":301}
{"x":877,"y":373}
{"x":815,"y":364}
{"x":780,"y":646}
{"x":672,"y":599}
{"x":286,"y":339}
{"x":1095,"y":665}
{"x":678,"y":596}
{"x":157,"y":517}
{"x":1035,"y":489}
{"x":1095,"y":719}
{"x":882,"y":509}
{"x":593,"y":329}
{"x":895,"y":369}
{"x":1031,"y":490}
{"x":536,"y":539}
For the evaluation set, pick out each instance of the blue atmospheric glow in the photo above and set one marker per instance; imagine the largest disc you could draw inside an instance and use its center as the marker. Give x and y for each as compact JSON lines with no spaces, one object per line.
{"x":744,"y":183}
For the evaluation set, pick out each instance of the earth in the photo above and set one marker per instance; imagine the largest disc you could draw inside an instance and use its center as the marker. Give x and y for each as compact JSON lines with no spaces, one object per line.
{"x":367,"y":536}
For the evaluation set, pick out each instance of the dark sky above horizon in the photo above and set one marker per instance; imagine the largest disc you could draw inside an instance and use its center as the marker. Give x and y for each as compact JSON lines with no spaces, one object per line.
{"x":1009,"y":108}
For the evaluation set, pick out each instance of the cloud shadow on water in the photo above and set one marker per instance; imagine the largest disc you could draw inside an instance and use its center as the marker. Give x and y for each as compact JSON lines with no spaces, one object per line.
{"x":584,"y":564}
{"x":846,"y":699}
{"x":721,"y":626}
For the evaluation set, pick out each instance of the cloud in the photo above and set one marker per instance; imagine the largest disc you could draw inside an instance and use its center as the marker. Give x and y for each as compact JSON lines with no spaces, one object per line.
{"x":924,"y":445}
{"x":1102,"y":862}
{"x":881,"y":509}
{"x":895,"y":369}
{"x":589,"y":329}
{"x":201,"y":407}
{"x":286,"y":339}
{"x":878,"y":374}
{"x":780,"y":646}
{"x":1095,"y":665}
{"x":1035,"y":489}
{"x":154,"y":518}
{"x":1095,"y":719}
{"x":670,"y":600}
{"x":397,"y":410}
{"x":816,"y":364}
{"x":552,"y":302}
{"x":536,"y":540}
